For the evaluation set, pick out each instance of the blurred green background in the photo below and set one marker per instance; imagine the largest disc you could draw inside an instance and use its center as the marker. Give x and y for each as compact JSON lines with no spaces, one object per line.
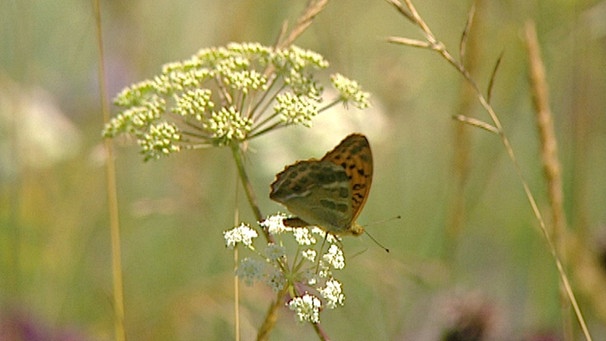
{"x":54,"y":237}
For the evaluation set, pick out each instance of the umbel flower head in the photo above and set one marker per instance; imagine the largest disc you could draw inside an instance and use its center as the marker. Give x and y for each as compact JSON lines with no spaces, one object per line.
{"x":291,"y":264}
{"x":225,"y":95}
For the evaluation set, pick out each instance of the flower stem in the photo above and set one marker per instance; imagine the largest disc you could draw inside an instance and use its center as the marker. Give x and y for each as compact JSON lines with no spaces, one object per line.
{"x":320,"y":331}
{"x":250,"y":194}
{"x":271,"y":317}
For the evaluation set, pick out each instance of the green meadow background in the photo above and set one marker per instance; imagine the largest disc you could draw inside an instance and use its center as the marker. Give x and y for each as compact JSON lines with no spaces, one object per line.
{"x":467,"y":241}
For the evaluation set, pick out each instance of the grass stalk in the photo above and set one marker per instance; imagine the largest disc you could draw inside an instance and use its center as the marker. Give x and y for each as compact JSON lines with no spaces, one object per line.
{"x":434,"y":44}
{"x":547,"y":138}
{"x":112,"y":196}
{"x":236,"y":297}
{"x":549,"y":153}
{"x":461,"y":139}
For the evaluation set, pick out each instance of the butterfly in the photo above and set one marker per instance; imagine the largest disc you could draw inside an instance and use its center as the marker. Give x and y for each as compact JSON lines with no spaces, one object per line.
{"x":328,"y":193}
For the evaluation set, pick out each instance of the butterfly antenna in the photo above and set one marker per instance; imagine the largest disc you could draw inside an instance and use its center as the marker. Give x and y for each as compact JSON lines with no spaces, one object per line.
{"x":380,"y":222}
{"x":384,"y":221}
{"x":377,"y":242}
{"x":358,"y":253}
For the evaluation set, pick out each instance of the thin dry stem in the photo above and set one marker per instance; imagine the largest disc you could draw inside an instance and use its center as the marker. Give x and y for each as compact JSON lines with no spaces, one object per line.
{"x":112,"y":196}
{"x":236,"y":296}
{"x":398,"y":5}
{"x":314,"y":7}
{"x":493,"y":76}
{"x":439,"y":47}
{"x":420,"y":22}
{"x":468,"y":50}
{"x":465,"y":35}
{"x":236,"y":278}
{"x":409,"y":42}
{"x":476,"y":123}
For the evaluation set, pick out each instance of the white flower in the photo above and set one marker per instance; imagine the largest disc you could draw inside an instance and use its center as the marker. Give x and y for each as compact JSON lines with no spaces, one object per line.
{"x":240,"y":234}
{"x":227,"y":124}
{"x":334,"y":257}
{"x":274,"y":224}
{"x":303,"y":236}
{"x":250,"y":270}
{"x":330,"y":238}
{"x":350,"y":91}
{"x":309,"y":254}
{"x":332,"y":293}
{"x":306,"y":307}
{"x":294,"y":109}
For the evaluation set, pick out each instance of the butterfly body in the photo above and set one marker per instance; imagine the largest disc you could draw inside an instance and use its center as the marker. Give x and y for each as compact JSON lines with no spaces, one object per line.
{"x":328,"y":193}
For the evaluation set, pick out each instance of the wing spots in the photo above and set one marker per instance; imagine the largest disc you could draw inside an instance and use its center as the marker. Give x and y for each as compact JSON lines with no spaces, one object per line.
{"x":331,"y":205}
{"x":300,"y":178}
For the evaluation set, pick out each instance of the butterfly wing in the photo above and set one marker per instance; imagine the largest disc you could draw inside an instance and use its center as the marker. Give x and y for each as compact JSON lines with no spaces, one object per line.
{"x":353,"y":154}
{"x":318,"y":192}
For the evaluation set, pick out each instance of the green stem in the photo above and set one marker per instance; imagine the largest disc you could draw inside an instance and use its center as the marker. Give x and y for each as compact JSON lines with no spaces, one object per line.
{"x":248,"y":189}
{"x":273,"y":127}
{"x":330,"y":105}
{"x":271,"y":317}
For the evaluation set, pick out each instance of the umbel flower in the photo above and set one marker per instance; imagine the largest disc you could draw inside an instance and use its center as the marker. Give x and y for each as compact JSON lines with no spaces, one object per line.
{"x":225,"y":95}
{"x":309,"y":280}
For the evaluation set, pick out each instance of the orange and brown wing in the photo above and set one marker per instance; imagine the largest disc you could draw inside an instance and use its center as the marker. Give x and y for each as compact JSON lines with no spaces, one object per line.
{"x":355,"y":156}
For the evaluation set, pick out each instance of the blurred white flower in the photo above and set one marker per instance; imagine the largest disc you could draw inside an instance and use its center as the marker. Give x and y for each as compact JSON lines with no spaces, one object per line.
{"x":41,"y":133}
{"x":250,"y":270}
{"x":273,"y":251}
{"x":276,"y":280}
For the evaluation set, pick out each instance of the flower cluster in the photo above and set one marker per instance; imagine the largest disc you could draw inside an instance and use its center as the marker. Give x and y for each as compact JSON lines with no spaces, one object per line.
{"x":306,"y":307}
{"x":350,"y":91}
{"x":308,"y":279}
{"x":242,"y":234}
{"x":225,"y":95}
